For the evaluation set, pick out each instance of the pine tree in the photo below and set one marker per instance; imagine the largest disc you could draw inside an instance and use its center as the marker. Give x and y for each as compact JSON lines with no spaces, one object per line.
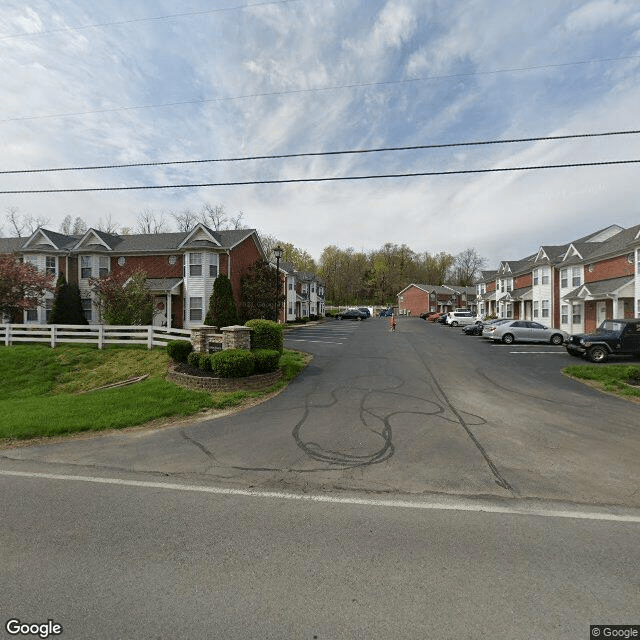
{"x":222,"y":308}
{"x":67,"y":304}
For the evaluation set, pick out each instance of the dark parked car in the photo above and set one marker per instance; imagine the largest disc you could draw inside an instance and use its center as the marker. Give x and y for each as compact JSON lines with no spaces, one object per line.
{"x":442,"y":319}
{"x":352,"y":314}
{"x":386,"y":312}
{"x":612,"y":337}
{"x":473,"y":329}
{"x":365,"y":310}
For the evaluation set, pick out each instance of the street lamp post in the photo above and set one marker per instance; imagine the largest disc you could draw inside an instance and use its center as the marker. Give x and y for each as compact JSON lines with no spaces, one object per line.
{"x":277,"y":252}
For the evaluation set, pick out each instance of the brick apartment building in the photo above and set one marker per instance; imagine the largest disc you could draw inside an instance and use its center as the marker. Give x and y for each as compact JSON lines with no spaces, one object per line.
{"x":573,"y":286}
{"x":180,"y":267}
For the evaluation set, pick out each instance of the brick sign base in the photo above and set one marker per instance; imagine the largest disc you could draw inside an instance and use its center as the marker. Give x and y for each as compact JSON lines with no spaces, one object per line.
{"x":207,"y":383}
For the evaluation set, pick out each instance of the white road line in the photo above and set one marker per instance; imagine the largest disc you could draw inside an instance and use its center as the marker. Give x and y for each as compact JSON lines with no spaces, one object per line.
{"x":322,"y":341}
{"x":513,"y":507}
{"x":556,"y":353}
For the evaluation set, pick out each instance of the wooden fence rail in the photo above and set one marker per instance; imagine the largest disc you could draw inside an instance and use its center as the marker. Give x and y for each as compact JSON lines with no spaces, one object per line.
{"x":99,"y":334}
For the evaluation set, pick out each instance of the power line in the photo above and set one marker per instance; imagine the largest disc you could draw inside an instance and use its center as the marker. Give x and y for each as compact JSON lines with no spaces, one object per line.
{"x":169,"y":16}
{"x":351,"y":85}
{"x":321,"y":153}
{"x":324,"y":179}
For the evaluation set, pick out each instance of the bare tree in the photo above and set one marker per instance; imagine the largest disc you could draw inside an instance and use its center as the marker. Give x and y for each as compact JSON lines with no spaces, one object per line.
{"x":148,"y":221}
{"x":72,"y":227}
{"x":237,"y":222}
{"x":214,"y":217}
{"x":466,"y":267}
{"x":185,"y":220}
{"x":24,"y":222}
{"x":108,"y":225}
{"x":16,"y":221}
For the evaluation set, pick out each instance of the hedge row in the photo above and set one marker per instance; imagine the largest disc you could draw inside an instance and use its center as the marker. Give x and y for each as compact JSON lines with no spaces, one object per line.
{"x":236,"y":363}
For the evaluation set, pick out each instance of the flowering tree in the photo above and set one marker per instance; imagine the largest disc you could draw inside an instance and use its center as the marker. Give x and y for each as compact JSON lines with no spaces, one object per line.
{"x":123,"y":298}
{"x":22,"y":286}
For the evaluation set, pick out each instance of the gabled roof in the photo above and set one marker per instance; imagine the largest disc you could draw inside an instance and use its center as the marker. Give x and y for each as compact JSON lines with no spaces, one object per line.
{"x":46,"y":240}
{"x":601,"y":289}
{"x":199,"y":236}
{"x":97,"y":240}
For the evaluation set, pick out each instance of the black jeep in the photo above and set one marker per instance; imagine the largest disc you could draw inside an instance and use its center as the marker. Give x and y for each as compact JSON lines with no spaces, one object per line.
{"x":612,"y":337}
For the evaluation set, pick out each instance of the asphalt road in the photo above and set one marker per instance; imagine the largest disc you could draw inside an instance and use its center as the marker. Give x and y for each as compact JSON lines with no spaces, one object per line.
{"x":421,"y":410}
{"x":417,"y":484}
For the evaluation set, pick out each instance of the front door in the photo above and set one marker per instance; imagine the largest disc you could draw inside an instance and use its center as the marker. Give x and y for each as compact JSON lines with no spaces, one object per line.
{"x":601,"y":312}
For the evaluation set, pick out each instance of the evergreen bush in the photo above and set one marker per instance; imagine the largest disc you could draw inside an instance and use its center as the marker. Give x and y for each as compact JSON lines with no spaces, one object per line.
{"x":233,"y":363}
{"x":222,"y":307}
{"x":67,"y":304}
{"x":193,"y":359}
{"x":267,"y":360}
{"x":204,"y":361}
{"x":179,"y":350}
{"x":266,"y":334}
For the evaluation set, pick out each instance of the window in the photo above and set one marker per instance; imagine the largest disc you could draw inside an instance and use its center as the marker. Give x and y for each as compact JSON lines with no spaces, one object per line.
{"x":564,"y":278}
{"x":195,"y":309}
{"x":48,"y":305}
{"x":576,"y":313}
{"x":50,"y":265}
{"x":545,"y":275}
{"x":536,"y":276}
{"x":32,"y":315}
{"x":536,"y":308}
{"x":85,"y":268}
{"x":576,"y":276}
{"x":195,"y":265}
{"x":509,"y":284}
{"x":213,"y":270}
{"x":564,"y":314}
{"x":545,"y":308}
{"x":290,"y":286}
{"x":86,"y":308}
{"x":509,"y":309}
{"x":103,"y":266}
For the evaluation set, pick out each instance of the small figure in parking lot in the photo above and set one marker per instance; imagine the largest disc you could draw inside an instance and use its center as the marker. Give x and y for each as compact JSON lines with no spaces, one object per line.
{"x":392,"y":322}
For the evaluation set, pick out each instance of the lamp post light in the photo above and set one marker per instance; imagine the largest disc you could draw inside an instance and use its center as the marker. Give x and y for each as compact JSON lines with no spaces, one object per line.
{"x":277,"y":252}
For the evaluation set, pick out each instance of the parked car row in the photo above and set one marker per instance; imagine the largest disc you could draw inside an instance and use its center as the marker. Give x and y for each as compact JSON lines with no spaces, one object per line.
{"x":361,"y":313}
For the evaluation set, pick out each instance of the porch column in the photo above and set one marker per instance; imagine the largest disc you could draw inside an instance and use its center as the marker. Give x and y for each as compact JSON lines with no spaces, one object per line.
{"x":168,"y":307}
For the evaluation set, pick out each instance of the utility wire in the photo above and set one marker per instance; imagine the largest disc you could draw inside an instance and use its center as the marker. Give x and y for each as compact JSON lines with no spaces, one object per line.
{"x":116,"y":23}
{"x":352,"y":85}
{"x":325,"y":179}
{"x":321,"y":153}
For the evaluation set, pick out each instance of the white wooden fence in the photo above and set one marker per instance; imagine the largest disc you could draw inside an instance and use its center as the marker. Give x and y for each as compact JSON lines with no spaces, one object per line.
{"x":98,"y":334}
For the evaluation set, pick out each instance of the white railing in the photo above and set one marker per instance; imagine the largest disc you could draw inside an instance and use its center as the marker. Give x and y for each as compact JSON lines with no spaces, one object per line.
{"x":98,"y":334}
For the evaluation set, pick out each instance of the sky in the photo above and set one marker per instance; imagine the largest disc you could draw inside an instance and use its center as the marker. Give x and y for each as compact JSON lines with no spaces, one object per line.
{"x":85,"y":83}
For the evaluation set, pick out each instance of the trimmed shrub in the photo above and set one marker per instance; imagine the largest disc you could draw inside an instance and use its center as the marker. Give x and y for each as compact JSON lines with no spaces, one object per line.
{"x":232,"y":363}
{"x":179,"y":350}
{"x":266,"y":334}
{"x":267,"y":360}
{"x":193,"y":359}
{"x":204,"y":361}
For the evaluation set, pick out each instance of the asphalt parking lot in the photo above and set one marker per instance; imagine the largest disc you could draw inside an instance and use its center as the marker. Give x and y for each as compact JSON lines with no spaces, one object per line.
{"x":424,"y":409}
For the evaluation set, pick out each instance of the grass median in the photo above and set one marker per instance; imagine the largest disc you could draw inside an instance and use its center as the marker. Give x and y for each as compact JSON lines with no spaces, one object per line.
{"x":49,"y":392}
{"x":621,"y":379}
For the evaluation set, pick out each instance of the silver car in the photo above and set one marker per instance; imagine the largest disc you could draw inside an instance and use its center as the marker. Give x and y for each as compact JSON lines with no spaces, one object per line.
{"x":527,"y":331}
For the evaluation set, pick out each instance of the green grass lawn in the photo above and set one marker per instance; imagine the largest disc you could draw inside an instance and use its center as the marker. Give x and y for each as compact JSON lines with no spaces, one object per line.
{"x":47,"y":392}
{"x":612,"y":378}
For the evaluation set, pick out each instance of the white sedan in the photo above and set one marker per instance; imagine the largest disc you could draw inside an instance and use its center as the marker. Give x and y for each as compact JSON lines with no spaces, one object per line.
{"x":526,"y":331}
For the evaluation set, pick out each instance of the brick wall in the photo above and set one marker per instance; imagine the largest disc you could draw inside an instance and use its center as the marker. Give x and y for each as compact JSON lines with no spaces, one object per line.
{"x":242,"y":257}
{"x":523,"y":280}
{"x":416,"y":300}
{"x":154,"y":266}
{"x":613,"y":268}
